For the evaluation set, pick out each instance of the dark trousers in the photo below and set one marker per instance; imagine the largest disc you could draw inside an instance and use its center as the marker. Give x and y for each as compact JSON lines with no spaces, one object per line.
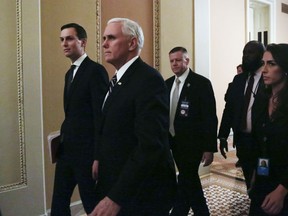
{"x":72,"y":171}
{"x":158,"y":208}
{"x":190,"y":193}
{"x":154,"y":198}
{"x":245,"y":152}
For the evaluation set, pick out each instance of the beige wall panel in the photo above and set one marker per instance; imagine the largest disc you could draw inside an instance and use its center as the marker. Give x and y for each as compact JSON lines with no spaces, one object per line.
{"x":140,"y":11}
{"x":9,"y":125}
{"x":24,"y":199}
{"x":228,"y":32}
{"x":176,"y":29}
{"x":54,"y":64}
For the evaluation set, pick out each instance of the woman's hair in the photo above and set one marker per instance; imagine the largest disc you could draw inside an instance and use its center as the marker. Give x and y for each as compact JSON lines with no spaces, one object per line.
{"x":280,"y":56}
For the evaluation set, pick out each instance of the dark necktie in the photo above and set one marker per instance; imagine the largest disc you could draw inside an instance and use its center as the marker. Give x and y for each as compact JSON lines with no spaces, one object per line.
{"x":70,"y":76}
{"x":174,"y":102}
{"x":247,"y":97}
{"x":112,"y":83}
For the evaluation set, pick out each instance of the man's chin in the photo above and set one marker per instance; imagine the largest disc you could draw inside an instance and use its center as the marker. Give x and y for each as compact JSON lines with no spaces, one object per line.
{"x":109,"y":60}
{"x":251,"y":65}
{"x":67,"y":55}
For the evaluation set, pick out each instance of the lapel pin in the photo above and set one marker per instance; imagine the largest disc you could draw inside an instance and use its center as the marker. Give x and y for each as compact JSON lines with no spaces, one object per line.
{"x":188,"y":85}
{"x":119,"y":83}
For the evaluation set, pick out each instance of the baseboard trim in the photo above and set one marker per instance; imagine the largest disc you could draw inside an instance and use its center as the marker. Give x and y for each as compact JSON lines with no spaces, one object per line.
{"x":75,"y":207}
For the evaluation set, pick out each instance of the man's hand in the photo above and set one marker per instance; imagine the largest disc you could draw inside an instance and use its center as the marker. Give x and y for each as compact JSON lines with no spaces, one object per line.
{"x":106,"y":207}
{"x":95,"y":169}
{"x":207,"y":158}
{"x":223,"y":147}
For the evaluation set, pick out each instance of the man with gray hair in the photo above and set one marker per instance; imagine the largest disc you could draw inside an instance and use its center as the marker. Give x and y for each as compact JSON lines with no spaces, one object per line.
{"x":133,"y":163}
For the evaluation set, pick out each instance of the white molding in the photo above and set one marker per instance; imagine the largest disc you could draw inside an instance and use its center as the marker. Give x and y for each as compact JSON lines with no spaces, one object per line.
{"x":202,"y":37}
{"x":73,"y":205}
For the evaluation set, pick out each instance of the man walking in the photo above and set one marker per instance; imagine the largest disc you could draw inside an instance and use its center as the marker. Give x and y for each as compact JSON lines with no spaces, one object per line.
{"x":86,"y":84}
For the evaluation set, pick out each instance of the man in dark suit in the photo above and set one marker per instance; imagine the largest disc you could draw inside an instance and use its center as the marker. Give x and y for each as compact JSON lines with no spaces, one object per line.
{"x":237,"y":117}
{"x":136,"y":175}
{"x":239,"y":70}
{"x":228,"y":91}
{"x":83,"y":99}
{"x":193,"y":132}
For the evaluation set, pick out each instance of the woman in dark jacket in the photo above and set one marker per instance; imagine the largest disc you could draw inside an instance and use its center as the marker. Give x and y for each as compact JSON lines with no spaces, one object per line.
{"x":270,"y":184}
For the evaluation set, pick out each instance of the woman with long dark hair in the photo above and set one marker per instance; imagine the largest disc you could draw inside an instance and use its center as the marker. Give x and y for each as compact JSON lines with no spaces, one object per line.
{"x":270,"y":183}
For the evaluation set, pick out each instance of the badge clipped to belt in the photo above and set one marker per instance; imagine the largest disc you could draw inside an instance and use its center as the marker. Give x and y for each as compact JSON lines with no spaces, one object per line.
{"x":263,"y":166}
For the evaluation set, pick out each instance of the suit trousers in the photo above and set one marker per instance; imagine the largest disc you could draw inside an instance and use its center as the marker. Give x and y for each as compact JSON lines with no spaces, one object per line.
{"x":157,"y":200}
{"x":189,"y":191}
{"x":245,"y":146}
{"x":72,"y":171}
{"x":154,"y":207}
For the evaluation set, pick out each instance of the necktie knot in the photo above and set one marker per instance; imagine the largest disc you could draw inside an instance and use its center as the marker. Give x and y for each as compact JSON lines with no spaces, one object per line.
{"x":71,"y":72}
{"x":70,"y":76}
{"x":247,"y":97}
{"x":177,"y":81}
{"x":173,"y":105}
{"x":176,"y":91}
{"x":252,"y":74}
{"x":72,"y":67}
{"x":112,"y":83}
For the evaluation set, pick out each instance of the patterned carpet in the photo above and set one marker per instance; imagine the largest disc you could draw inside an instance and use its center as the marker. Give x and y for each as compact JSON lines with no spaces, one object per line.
{"x":224,"y":188}
{"x":222,"y":201}
{"x":226,"y":166}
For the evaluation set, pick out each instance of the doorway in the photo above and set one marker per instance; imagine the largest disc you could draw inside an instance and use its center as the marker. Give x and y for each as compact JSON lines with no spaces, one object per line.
{"x":261,"y":20}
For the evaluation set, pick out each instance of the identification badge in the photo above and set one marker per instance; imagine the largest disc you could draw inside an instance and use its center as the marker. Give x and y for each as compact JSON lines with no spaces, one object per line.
{"x":263,"y":167}
{"x":184,"y":108}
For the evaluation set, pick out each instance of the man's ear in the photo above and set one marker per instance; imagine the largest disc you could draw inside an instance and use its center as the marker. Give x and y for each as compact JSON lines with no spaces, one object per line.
{"x":83,"y":42}
{"x":133,"y":44}
{"x":187,"y":60}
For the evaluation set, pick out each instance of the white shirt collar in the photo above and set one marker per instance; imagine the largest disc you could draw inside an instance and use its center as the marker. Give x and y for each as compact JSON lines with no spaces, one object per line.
{"x":183,"y":77}
{"x":258,"y":73}
{"x":80,"y":60}
{"x":122,"y":70}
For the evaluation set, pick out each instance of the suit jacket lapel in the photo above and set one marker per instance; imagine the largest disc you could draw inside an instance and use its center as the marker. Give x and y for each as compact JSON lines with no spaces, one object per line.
{"x":76,"y":79}
{"x":121,"y":84}
{"x":188,"y":85}
{"x":186,"y":90}
{"x":170,"y":84}
{"x":243,"y":84}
